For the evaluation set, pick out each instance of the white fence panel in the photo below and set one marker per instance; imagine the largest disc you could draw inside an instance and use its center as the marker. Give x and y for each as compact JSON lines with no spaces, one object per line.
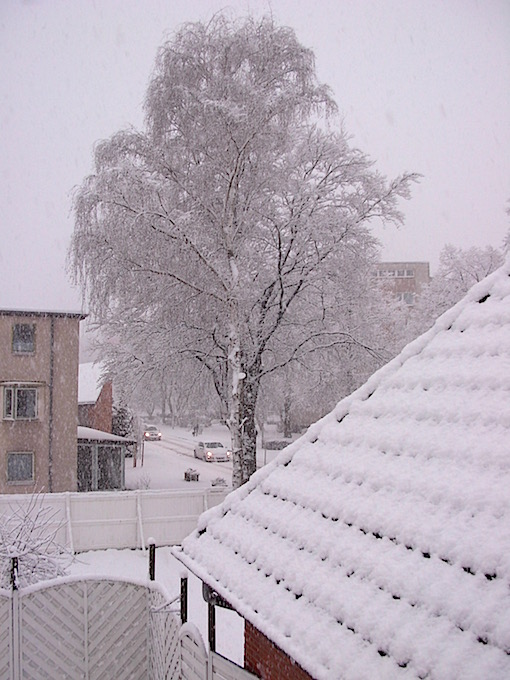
{"x":193,"y":653}
{"x":223,"y":669}
{"x":5,"y":634}
{"x":164,"y":626}
{"x":101,"y":520}
{"x":120,"y":519}
{"x":88,"y":628}
{"x":196,"y":664}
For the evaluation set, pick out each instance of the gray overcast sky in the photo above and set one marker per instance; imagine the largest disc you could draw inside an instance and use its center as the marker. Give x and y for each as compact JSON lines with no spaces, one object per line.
{"x":422,"y":85}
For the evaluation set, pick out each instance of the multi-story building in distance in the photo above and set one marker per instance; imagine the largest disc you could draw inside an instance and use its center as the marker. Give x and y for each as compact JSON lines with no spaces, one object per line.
{"x":404,"y":279}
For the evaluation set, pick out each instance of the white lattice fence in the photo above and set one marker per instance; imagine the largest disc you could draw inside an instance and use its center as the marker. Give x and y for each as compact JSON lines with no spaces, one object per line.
{"x":5,"y":634}
{"x":52,"y":624}
{"x":164,"y":639}
{"x":91,"y":629}
{"x":193,"y":653}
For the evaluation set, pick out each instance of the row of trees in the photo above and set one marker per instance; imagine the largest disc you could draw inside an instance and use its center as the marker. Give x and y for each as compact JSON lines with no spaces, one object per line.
{"x":459,"y":269}
{"x":226,"y":244}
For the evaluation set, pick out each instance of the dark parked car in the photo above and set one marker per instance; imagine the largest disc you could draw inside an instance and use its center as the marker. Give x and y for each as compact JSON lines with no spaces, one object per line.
{"x":151,"y":433}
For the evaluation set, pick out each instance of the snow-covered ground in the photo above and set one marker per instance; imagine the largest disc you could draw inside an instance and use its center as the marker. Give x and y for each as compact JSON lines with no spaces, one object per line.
{"x":164,"y":464}
{"x":134,"y":564}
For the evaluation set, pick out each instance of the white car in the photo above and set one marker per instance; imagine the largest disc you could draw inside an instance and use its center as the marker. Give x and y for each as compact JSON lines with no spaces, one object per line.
{"x":212,"y":452}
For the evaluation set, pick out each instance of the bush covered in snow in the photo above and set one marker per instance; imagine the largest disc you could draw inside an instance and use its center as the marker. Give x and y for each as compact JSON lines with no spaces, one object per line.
{"x":277,"y":445}
{"x":29,"y":534}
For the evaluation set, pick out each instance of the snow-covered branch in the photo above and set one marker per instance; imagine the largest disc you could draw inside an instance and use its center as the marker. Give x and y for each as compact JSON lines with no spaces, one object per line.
{"x":29,"y":533}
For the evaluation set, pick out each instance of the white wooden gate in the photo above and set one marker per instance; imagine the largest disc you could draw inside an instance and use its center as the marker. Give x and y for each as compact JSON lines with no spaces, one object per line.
{"x":196,"y":664}
{"x":164,"y":626}
{"x":87,"y":628}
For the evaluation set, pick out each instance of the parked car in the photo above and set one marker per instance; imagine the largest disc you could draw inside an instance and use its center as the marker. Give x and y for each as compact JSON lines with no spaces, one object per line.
{"x":151,"y":433}
{"x":212,"y":452}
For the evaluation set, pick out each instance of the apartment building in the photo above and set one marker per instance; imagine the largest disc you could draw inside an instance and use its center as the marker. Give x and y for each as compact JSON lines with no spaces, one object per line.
{"x":404,"y":279}
{"x":38,"y":400}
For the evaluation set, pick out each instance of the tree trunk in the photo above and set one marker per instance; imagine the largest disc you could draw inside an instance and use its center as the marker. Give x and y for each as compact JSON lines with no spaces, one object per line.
{"x":249,"y":428}
{"x":163,"y":404}
{"x":235,"y":422}
{"x":242,"y":423}
{"x":286,"y":413}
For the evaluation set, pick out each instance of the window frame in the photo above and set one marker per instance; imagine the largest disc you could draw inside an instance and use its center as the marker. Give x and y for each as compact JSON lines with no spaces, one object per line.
{"x":25,"y":480}
{"x":16,"y":344}
{"x":11,"y":403}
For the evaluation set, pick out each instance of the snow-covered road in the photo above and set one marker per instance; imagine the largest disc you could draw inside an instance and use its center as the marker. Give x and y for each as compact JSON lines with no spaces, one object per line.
{"x":165,"y":461}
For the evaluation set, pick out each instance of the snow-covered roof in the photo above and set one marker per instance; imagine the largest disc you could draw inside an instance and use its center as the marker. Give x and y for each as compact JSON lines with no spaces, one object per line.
{"x":89,"y":382}
{"x":378,"y":544}
{"x":89,"y":434}
{"x":43,"y":312}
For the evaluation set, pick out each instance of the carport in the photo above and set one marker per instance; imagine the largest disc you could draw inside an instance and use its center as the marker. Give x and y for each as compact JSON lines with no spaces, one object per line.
{"x":101,"y":460}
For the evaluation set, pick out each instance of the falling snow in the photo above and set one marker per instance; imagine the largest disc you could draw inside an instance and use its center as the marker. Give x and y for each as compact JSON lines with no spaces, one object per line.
{"x":378,"y":544}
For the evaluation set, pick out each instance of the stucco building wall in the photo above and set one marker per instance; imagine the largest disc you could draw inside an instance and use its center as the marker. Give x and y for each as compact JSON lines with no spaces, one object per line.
{"x":52,"y":367}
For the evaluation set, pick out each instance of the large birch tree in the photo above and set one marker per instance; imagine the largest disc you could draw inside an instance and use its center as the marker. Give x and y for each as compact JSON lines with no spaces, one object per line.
{"x":221,"y":222}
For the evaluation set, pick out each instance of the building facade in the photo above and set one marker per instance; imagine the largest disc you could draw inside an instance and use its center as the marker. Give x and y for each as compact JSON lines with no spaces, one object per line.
{"x":38,"y":400}
{"x":404,"y":279}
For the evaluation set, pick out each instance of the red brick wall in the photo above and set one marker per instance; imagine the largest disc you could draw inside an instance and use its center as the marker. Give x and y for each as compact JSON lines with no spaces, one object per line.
{"x":98,"y":415}
{"x":266,"y":661}
{"x":103,"y":409}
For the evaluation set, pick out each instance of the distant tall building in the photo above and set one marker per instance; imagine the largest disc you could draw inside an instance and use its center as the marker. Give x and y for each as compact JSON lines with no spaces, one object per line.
{"x":404,"y":279}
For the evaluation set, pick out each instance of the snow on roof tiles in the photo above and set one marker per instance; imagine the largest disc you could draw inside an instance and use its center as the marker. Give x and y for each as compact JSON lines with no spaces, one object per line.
{"x":90,"y":434}
{"x":378,"y":544}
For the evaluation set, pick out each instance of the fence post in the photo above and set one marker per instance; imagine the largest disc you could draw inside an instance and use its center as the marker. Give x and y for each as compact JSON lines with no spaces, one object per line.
{"x":184,"y":599}
{"x":211,"y":626}
{"x":139,"y":519}
{"x":16,"y":630}
{"x":14,"y":573}
{"x":69,"y":523}
{"x":152,"y":559}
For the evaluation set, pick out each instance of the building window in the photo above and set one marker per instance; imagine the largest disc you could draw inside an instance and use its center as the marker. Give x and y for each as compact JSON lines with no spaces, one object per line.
{"x":20,"y":402}
{"x":23,"y":338}
{"x":100,"y":467}
{"x":408,"y":298}
{"x":20,"y":467}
